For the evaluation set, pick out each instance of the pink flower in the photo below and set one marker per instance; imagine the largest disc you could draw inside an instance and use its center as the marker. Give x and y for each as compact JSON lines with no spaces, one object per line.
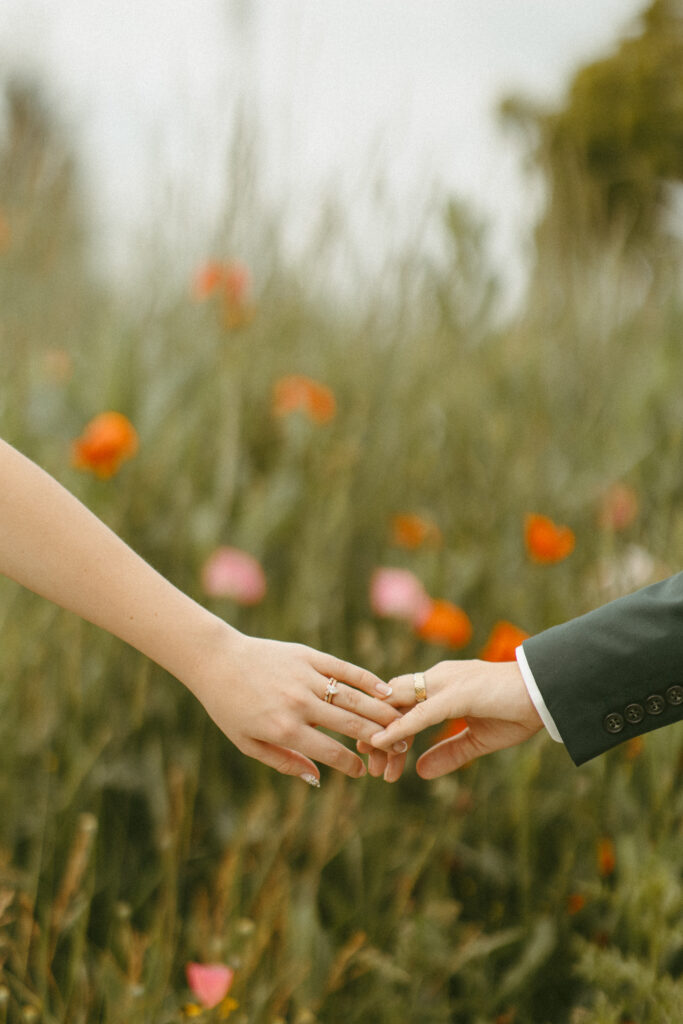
{"x":398,"y":594}
{"x":231,"y":573}
{"x":209,"y":982}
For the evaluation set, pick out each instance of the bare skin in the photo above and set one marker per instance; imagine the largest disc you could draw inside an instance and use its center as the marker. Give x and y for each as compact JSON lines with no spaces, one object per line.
{"x":265,"y":695}
{"x":491,"y":697}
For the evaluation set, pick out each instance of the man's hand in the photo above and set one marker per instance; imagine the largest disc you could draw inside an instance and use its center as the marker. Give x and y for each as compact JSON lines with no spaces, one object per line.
{"x":491,"y":697}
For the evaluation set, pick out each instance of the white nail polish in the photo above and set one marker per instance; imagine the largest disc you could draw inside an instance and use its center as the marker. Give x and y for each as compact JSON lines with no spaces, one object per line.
{"x":312,"y":780}
{"x":384,"y":689}
{"x":400,"y":747}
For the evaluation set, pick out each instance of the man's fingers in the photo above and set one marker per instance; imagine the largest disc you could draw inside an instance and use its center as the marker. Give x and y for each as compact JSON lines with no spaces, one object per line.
{"x":429,"y":712}
{"x":395,"y":766}
{"x":403,"y":690}
{"x":447,"y":756}
{"x":377,"y":763}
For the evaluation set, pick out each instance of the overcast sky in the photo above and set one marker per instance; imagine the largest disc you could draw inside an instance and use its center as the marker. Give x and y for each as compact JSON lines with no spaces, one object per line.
{"x":340,"y":87}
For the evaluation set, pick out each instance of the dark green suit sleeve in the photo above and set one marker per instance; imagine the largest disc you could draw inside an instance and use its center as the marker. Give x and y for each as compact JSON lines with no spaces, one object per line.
{"x":616,"y":672}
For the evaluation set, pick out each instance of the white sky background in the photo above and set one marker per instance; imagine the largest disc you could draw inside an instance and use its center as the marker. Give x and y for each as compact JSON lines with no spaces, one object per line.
{"x":344,"y":90}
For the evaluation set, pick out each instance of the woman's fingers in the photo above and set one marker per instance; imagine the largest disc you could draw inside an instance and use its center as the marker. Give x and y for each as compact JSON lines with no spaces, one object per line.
{"x":352,"y":713}
{"x":326,"y":750}
{"x":284,"y":760}
{"x":345,"y":672}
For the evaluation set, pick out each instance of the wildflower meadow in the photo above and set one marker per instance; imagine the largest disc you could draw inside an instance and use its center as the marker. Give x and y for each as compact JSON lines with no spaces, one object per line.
{"x":398,"y":475}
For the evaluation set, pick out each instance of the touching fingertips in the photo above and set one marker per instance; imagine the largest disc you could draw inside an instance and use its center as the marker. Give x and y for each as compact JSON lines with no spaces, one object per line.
{"x":383,"y":689}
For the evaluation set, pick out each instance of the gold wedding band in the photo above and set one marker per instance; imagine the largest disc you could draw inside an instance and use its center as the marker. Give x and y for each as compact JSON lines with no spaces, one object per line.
{"x":332,"y":688}
{"x":420,"y":688}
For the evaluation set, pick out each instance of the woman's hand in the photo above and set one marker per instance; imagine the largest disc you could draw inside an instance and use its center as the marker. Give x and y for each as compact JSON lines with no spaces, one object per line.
{"x":492,"y":698}
{"x":268,"y":698}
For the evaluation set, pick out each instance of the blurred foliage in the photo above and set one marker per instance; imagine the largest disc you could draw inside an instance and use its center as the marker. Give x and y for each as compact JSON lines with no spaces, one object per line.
{"x":612,"y":154}
{"x":133,"y":838}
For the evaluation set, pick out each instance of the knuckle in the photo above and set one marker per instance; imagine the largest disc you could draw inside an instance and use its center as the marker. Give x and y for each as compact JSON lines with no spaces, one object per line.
{"x":339,"y":758}
{"x":351,"y":699}
{"x":338,"y":668}
{"x":286,"y":729}
{"x":352,"y":726}
{"x":298,"y":700}
{"x":285,"y":765}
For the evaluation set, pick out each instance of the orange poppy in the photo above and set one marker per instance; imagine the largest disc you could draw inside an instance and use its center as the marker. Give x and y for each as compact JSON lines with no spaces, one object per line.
{"x":452,"y":728}
{"x":606,"y":856}
{"x":207,"y":280}
{"x":503,"y":641}
{"x":546,"y":542}
{"x":412,"y":531}
{"x":232,"y":279}
{"x":633,"y":748}
{"x":106,"y":442}
{"x":445,"y":624}
{"x":576,"y":901}
{"x":297,"y":393}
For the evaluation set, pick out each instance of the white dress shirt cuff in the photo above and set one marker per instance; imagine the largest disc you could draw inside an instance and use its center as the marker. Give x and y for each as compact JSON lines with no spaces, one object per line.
{"x":535,"y":694}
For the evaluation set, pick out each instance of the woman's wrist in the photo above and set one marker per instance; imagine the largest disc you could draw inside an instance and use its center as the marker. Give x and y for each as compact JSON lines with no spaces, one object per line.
{"x":200,"y":645}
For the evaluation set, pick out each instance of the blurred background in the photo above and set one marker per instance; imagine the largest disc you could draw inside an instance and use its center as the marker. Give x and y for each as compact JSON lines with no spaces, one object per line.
{"x":362,"y":323}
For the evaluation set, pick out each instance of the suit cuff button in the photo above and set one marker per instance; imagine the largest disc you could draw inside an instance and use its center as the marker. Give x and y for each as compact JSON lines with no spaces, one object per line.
{"x":634,"y":713}
{"x":613,"y":722}
{"x":674,"y":695}
{"x":655,"y":704}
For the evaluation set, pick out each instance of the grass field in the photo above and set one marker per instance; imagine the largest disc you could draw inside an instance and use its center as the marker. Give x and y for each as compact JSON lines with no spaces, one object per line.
{"x":134,"y":838}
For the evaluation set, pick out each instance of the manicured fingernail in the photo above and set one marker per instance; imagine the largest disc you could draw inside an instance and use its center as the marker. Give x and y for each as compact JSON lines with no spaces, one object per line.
{"x":312,"y":780}
{"x":400,"y":747}
{"x":383,"y":689}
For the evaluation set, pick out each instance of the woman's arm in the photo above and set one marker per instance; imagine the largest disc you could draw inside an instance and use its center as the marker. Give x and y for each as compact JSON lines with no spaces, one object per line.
{"x":266,"y":696}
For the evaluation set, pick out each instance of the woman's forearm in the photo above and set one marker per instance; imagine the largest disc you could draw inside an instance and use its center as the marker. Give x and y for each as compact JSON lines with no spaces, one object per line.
{"x":268,"y":697}
{"x":52,"y":544}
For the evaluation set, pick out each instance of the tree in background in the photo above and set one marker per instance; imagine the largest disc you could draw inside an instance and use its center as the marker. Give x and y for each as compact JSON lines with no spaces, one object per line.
{"x":611,"y":157}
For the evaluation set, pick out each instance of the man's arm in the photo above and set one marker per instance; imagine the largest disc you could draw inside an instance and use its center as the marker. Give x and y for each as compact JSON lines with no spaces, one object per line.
{"x":614,"y":673}
{"x":595,"y":681}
